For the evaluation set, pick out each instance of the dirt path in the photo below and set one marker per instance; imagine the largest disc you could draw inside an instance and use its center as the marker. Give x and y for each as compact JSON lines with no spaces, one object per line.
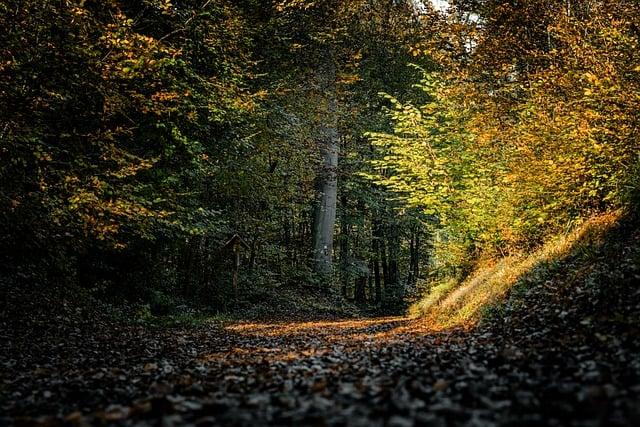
{"x":373,"y":372}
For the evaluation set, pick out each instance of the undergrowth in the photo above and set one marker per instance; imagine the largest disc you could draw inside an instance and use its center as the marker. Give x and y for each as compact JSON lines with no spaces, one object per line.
{"x":451,"y":303}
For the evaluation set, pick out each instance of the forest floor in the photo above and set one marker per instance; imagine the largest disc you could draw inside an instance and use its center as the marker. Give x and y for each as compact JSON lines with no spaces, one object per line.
{"x":564,"y":350}
{"x":79,"y":368}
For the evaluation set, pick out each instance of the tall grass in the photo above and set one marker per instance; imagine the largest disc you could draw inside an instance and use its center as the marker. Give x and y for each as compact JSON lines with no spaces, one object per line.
{"x":452,"y":304}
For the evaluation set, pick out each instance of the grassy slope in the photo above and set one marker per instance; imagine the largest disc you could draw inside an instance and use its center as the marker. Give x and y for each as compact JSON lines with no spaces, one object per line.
{"x":601,"y":255}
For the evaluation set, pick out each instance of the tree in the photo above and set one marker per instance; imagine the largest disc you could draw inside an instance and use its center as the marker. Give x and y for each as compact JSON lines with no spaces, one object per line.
{"x":327,"y":178}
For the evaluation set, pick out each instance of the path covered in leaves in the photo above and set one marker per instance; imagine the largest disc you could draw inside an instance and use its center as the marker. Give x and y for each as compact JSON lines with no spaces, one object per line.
{"x":371,"y":372}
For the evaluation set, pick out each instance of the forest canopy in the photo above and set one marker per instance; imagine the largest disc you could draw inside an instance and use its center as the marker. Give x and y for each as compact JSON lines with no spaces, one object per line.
{"x":366,"y":149}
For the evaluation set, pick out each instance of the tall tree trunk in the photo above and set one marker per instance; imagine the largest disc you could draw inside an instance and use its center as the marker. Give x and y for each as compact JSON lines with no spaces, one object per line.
{"x":411,"y":257}
{"x":370,"y":291}
{"x":414,"y":257}
{"x":376,"y":271}
{"x":416,"y":263}
{"x":385,"y":266}
{"x":327,"y":180}
{"x":359,"y":295}
{"x":359,"y":292}
{"x":344,"y":247}
{"x":377,"y":237}
{"x":394,"y":272}
{"x":253,"y":253}
{"x":393,"y":288}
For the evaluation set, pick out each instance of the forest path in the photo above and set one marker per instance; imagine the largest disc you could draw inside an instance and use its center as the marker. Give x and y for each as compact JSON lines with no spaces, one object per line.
{"x":391,"y":371}
{"x":316,"y":334}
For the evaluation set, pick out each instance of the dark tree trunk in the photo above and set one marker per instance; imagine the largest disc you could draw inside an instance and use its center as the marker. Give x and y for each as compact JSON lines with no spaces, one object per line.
{"x":344,"y":247}
{"x":414,"y":257}
{"x":416,"y":261}
{"x":393,"y":292}
{"x":394,"y":253}
{"x":376,"y":267}
{"x":385,"y":265}
{"x":359,"y":291}
{"x":410,"y":273}
{"x":253,"y":253}
{"x":370,"y":291}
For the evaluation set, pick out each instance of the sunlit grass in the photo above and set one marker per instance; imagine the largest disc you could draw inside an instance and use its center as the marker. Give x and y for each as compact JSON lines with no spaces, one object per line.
{"x":450,"y":304}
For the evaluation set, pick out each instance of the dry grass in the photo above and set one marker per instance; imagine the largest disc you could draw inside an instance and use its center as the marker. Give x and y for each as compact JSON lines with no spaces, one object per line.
{"x":451,"y":304}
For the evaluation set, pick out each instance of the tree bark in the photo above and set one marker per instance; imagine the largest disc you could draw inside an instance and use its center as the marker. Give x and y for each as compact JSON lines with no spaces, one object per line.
{"x":376,"y":272}
{"x":359,"y":295}
{"x":416,"y":264}
{"x":370,"y":291}
{"x":411,"y":258}
{"x":385,"y":266}
{"x":327,"y":179}
{"x":393,"y":288}
{"x":344,"y":247}
{"x":414,"y":257}
{"x":376,"y":262}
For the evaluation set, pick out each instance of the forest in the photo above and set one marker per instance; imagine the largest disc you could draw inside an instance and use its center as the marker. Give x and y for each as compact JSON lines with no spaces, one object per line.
{"x":320,"y":212}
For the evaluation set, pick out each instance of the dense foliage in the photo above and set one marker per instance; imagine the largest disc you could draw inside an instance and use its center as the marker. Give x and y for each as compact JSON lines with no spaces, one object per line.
{"x":137,"y":137}
{"x":114,"y":121}
{"x":530,"y":126}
